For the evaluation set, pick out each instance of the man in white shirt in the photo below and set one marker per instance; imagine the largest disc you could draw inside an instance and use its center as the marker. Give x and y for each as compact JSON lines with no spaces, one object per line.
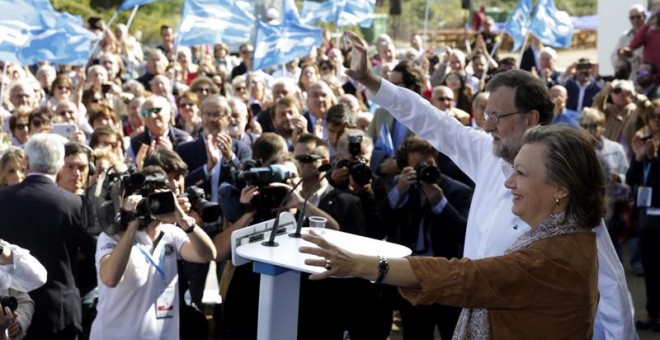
{"x":518,"y":101}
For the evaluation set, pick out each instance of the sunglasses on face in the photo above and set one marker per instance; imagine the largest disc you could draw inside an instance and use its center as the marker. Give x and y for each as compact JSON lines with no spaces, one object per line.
{"x":21,"y":126}
{"x":148,"y":112}
{"x":643,"y":73}
{"x":589,"y":126}
{"x":617,"y":90}
{"x":202,"y":90}
{"x":307,"y":158}
{"x":186,"y":104}
{"x":63,"y":88}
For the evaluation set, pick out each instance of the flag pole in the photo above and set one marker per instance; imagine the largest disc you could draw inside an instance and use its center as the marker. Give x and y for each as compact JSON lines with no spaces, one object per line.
{"x":98,"y":41}
{"x":130,"y":19}
{"x":497,"y":44}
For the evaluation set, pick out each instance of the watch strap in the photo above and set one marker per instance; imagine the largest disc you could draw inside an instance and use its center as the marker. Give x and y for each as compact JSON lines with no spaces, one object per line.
{"x":383,"y":269}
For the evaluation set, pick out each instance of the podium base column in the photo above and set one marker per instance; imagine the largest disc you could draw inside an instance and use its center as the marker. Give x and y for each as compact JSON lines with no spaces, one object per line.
{"x":279,"y":294}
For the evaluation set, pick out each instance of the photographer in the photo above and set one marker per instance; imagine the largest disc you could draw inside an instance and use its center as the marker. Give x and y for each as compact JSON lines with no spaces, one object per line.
{"x":20,"y":273}
{"x":138,"y":290}
{"x":352,"y":174}
{"x":427,"y":212}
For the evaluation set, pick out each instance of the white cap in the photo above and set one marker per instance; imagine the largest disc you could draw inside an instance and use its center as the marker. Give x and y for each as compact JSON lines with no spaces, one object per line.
{"x":272,"y":14}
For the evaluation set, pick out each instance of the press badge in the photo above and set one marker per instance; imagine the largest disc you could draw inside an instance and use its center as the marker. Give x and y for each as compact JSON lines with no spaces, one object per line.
{"x":165,"y":303}
{"x":644,"y":197}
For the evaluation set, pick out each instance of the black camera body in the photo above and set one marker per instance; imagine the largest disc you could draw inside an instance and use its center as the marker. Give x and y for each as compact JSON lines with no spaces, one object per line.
{"x":209,"y":211}
{"x":8,"y":301}
{"x":357,"y":169}
{"x":118,"y":185}
{"x":427,"y":173}
{"x":269,"y":198}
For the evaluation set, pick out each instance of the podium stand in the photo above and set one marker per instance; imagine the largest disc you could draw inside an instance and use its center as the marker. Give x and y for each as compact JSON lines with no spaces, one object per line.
{"x":280,"y":269}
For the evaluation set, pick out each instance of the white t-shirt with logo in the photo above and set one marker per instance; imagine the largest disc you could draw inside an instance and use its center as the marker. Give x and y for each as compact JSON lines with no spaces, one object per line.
{"x":150,"y":282}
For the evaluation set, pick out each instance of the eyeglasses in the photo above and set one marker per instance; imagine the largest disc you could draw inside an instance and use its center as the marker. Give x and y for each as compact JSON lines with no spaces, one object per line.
{"x":213,"y":114}
{"x":617,"y":90}
{"x":304,"y":158}
{"x":240,"y":88}
{"x":495,"y":118}
{"x":444,"y":99}
{"x":146,"y":113}
{"x":22,"y":126}
{"x":203,"y":89}
{"x":589,"y":126}
{"x":65,"y":113}
{"x":635,"y":17}
{"x":643,"y":73}
{"x":63,"y":88}
{"x":186,"y":104}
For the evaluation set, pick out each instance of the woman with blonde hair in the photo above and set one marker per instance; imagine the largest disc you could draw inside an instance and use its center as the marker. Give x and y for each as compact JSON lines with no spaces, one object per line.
{"x":12,"y":167}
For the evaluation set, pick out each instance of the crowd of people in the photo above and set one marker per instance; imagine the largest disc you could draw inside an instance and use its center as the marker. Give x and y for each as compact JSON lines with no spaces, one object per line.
{"x":515,"y":189}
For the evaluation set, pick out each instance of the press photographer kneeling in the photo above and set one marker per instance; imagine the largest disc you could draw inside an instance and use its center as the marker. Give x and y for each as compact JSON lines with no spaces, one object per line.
{"x":137,"y":259}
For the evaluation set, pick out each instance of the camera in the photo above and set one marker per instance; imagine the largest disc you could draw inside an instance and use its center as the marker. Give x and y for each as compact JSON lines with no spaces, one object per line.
{"x":209,"y":211}
{"x":118,"y":185}
{"x":8,"y":301}
{"x":359,"y":171}
{"x":269,"y":198}
{"x":427,"y":173}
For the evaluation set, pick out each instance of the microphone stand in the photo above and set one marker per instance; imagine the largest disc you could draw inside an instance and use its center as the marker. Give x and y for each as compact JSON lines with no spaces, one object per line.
{"x":303,"y":212}
{"x":271,"y":240}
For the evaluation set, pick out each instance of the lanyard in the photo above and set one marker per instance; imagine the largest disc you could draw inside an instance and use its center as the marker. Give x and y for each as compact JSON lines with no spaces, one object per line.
{"x":150,"y":259}
{"x":647,"y":171}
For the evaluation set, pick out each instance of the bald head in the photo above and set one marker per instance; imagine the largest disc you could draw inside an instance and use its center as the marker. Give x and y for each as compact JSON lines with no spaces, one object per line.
{"x":442,"y":97}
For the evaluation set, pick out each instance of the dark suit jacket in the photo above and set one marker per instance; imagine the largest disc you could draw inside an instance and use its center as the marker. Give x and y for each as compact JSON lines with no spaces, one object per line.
{"x":47,"y":220}
{"x":447,"y":230}
{"x":193,"y":154}
{"x":573,"y":91}
{"x":176,"y":136}
{"x":528,"y":61}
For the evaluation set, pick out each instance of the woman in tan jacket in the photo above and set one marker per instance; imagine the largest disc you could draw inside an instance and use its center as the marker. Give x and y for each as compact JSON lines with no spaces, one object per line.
{"x":545,"y":285}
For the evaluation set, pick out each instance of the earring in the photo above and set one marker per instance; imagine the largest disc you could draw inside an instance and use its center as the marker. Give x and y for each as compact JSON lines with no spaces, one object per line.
{"x":557,"y":200}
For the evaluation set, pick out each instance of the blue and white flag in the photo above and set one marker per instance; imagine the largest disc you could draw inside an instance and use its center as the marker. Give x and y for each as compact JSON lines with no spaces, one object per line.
{"x":129,"y":4}
{"x":290,"y":12}
{"x":357,"y":12}
{"x":552,"y":26}
{"x":67,"y":42}
{"x":279,"y":44}
{"x":384,"y":141}
{"x":321,"y":10}
{"x":34,"y":32}
{"x":518,"y":23}
{"x":216,"y":21}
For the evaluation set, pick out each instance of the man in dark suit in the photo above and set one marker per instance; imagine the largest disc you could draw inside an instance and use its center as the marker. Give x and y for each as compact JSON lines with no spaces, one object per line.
{"x":157,"y":112}
{"x":428,"y":215}
{"x":580,"y":85}
{"x":319,"y":100}
{"x":214,"y":155}
{"x":47,"y":220}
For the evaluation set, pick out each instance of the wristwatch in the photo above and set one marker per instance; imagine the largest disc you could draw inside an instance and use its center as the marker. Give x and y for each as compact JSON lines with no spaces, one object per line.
{"x":383,"y":269}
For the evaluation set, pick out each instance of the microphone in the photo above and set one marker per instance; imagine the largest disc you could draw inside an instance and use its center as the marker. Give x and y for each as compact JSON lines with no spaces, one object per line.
{"x":271,"y":240}
{"x":301,"y":218}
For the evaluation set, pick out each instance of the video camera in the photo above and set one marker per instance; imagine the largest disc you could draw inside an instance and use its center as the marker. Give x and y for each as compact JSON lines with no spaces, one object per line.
{"x":118,"y":185}
{"x":358,"y":170}
{"x":269,"y":198}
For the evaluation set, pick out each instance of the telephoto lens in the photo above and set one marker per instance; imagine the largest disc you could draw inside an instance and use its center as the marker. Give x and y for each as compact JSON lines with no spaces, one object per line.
{"x":8,"y":301}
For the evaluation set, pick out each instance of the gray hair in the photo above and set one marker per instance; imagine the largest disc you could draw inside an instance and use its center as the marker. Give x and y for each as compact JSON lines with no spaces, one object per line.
{"x":220,"y":100}
{"x":237,"y":105}
{"x":45,"y":153}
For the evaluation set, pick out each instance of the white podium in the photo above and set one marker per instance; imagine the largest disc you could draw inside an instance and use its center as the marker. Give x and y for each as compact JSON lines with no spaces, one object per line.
{"x":280,"y":269}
